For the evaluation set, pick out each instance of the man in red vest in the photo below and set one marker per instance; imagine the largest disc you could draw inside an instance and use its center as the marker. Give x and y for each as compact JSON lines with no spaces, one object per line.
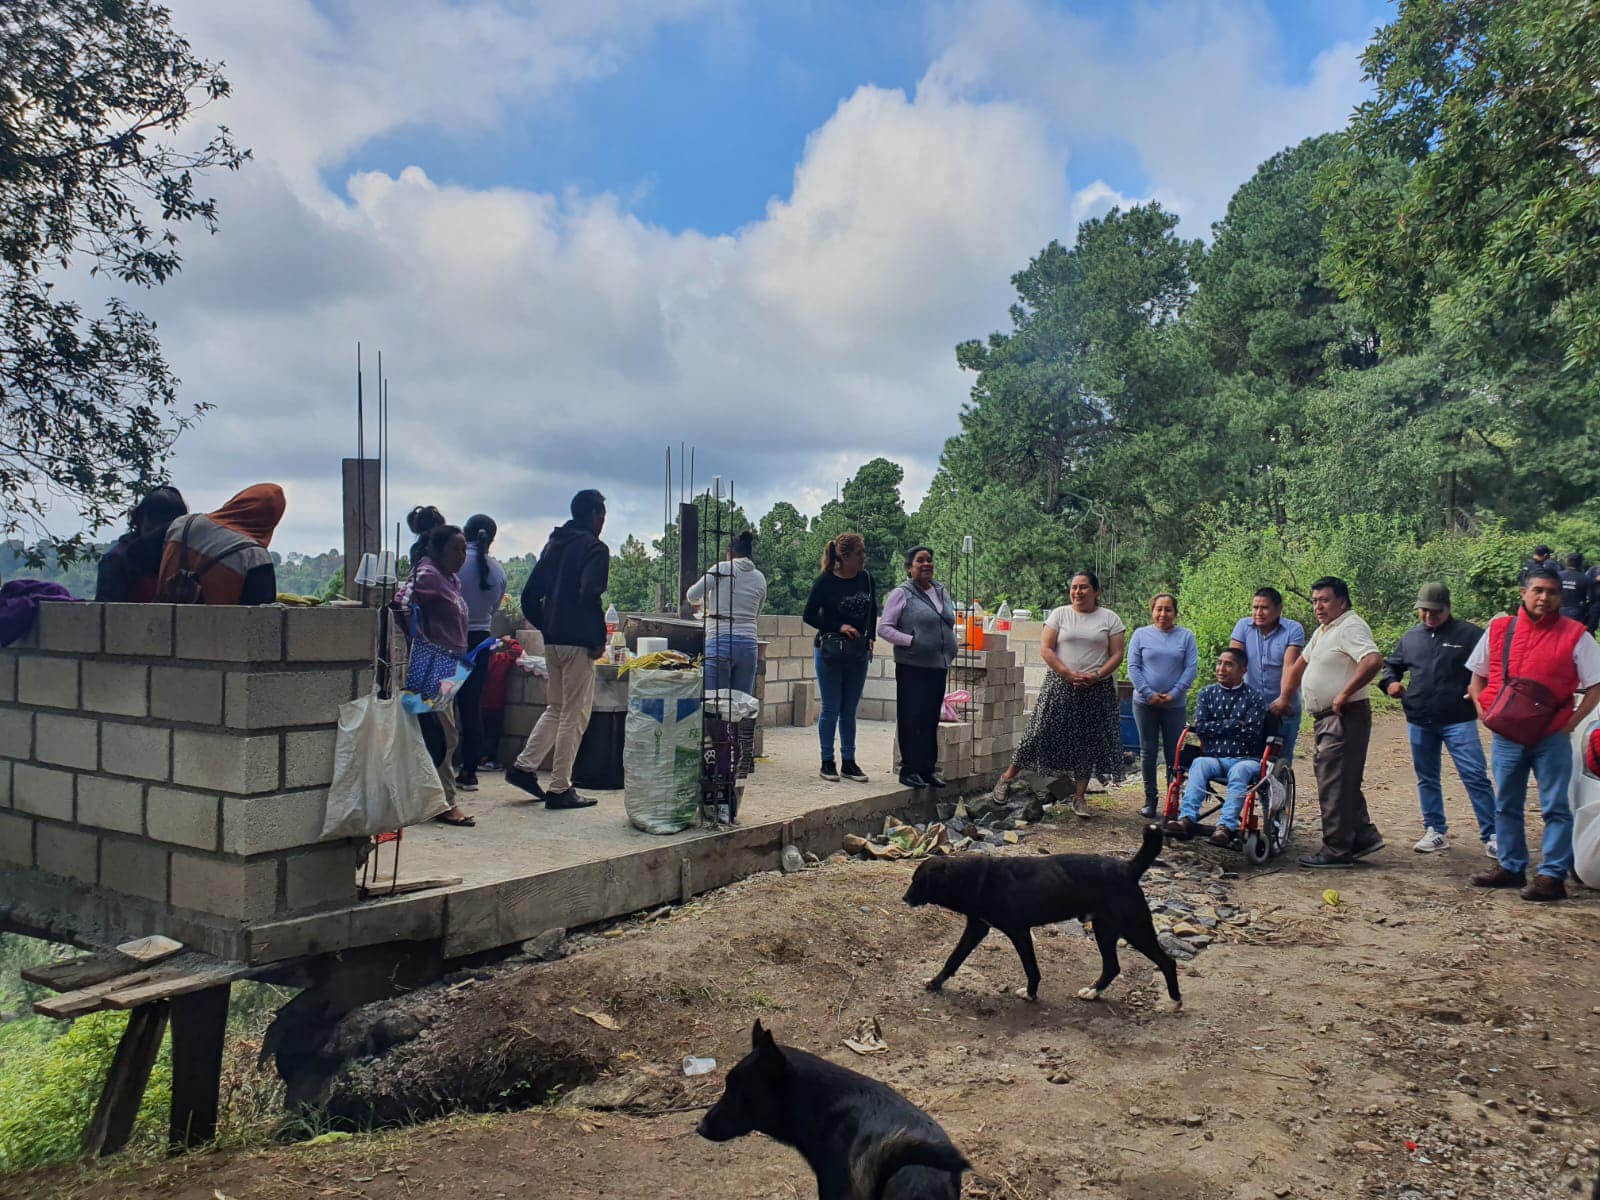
{"x":1557,"y":654}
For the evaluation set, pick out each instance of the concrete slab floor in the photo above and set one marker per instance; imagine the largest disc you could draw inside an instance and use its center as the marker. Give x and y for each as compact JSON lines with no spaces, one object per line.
{"x":516,"y":837}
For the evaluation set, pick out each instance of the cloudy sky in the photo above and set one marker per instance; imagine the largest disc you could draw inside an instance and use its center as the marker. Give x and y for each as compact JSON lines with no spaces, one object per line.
{"x":580,"y":232}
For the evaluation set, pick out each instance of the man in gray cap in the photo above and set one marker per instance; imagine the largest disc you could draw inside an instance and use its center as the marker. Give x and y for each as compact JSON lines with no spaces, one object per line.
{"x":1439,"y":713}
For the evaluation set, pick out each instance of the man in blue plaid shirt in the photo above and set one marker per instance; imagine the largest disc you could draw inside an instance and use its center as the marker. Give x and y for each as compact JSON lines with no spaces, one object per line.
{"x":1230,"y":718}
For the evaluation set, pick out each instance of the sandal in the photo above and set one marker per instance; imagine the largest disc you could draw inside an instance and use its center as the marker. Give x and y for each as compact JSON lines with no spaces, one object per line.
{"x":444,"y":818}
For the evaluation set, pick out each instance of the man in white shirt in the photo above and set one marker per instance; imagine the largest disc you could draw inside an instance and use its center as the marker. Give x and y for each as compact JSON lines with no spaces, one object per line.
{"x":1339,"y":662}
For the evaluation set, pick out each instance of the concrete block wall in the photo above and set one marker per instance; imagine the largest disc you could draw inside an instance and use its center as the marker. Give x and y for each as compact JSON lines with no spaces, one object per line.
{"x":980,"y":747}
{"x":166,"y":767}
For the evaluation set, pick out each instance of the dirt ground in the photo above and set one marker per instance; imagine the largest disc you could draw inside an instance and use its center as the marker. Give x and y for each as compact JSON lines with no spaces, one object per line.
{"x":1418,"y":1040}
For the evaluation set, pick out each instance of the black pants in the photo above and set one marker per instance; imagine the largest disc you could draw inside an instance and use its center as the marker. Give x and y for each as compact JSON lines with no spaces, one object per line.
{"x":469,"y":709}
{"x":918,"y":698}
{"x":432,"y":736}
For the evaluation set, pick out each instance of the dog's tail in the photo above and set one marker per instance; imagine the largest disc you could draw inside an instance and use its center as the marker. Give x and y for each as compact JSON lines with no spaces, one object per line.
{"x":1140,"y":862}
{"x":878,"y":1162}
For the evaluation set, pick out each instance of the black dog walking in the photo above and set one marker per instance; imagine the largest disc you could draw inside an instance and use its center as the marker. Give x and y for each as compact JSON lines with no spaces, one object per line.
{"x":1014,"y":895}
{"x":862,"y":1139}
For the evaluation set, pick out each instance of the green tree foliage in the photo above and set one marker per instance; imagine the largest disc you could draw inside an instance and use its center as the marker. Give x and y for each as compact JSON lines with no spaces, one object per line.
{"x":93,"y":94}
{"x":782,"y":553}
{"x":1471,"y":205}
{"x":633,"y":578}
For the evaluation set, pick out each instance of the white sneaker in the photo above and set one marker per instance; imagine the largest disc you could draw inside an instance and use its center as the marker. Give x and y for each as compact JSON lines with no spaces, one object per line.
{"x":1491,"y":848}
{"x":1431,"y":843}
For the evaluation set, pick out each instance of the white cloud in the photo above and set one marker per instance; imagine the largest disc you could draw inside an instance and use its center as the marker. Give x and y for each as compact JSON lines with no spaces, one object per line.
{"x":538,"y":343}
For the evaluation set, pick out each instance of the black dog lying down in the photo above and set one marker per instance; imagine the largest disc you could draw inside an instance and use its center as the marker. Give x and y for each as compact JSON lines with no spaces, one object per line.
{"x":1015,"y":894}
{"x":862,"y":1138}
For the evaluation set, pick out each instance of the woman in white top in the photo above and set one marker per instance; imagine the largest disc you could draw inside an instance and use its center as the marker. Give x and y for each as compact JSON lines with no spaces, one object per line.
{"x":732,"y":594}
{"x":1075,"y":733}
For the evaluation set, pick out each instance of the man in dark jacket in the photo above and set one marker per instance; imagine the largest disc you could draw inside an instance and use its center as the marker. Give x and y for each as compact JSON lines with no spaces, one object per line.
{"x":1440,"y":714}
{"x":562,"y":600}
{"x":1541,"y":558}
{"x":1575,"y":595}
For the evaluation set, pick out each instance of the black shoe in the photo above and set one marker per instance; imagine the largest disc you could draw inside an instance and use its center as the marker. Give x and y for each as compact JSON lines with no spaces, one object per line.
{"x":911,"y":779}
{"x":568,"y":799}
{"x":1372,"y":847}
{"x":829,"y":771}
{"x":1148,"y":812}
{"x":936,"y":780}
{"x":850,"y":771}
{"x":528,"y":781}
{"x":467,"y":783}
{"x":1323,"y":859}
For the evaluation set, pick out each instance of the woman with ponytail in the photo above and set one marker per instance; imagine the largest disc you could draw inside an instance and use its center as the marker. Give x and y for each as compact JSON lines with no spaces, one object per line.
{"x":483,"y":585}
{"x":843,"y":608}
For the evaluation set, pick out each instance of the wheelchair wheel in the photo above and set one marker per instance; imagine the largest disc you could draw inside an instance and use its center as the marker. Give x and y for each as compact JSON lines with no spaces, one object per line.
{"x":1257,"y":846}
{"x":1281,"y":823}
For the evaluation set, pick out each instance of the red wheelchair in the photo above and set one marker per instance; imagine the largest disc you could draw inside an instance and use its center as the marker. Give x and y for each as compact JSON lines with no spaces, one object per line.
{"x":1267,"y":821}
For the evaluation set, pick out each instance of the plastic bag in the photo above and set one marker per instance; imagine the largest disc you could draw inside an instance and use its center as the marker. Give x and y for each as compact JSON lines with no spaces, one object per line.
{"x":1585,"y":794}
{"x":951,"y":711}
{"x":732,"y":705}
{"x":383,"y":778}
{"x":661,"y":751}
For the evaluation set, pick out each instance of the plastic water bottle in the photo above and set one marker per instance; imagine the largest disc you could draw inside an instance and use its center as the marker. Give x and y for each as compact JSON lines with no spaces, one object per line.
{"x":612,"y":621}
{"x":1002,"y":619}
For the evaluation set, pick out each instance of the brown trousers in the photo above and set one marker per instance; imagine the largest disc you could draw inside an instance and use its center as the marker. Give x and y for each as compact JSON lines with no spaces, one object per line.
{"x":569,"y":695}
{"x":1341,"y":761}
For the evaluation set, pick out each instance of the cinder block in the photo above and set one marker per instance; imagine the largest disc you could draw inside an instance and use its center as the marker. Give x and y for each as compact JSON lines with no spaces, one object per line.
{"x":791,"y":626}
{"x":870,"y":710}
{"x":47,"y":682}
{"x":67,"y":852}
{"x":143,"y":751}
{"x":16,"y":732}
{"x":878,"y":689}
{"x":788,"y":668}
{"x":120,"y":688}
{"x":330,"y":634}
{"x":16,"y":839}
{"x":767,"y":626}
{"x":230,"y":634}
{"x":242,"y":766}
{"x":70,"y":627}
{"x":262,"y":824}
{"x":66,"y":741}
{"x":244,"y":889}
{"x":308,"y":758}
{"x":5,"y":784}
{"x":8,"y":677}
{"x":111,"y":803}
{"x":186,"y":694}
{"x":520,"y":718}
{"x":142,"y":629}
{"x":262,"y":700}
{"x":41,"y":791}
{"x":182,"y":818}
{"x":324,"y":876}
{"x":134,"y":868}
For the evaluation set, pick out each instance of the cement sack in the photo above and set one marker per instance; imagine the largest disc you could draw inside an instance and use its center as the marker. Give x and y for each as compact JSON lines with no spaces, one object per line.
{"x":1585,"y":797}
{"x":661,"y":751}
{"x":383,"y":778}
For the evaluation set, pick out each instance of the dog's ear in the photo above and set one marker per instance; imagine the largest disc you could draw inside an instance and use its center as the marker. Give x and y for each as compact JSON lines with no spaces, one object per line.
{"x":759,"y":1037}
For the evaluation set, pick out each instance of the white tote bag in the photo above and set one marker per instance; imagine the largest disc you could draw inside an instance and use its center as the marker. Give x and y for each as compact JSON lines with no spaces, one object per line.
{"x":383,"y":778}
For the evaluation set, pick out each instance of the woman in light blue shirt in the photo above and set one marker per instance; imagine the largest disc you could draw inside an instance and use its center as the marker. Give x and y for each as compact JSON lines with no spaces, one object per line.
{"x":1162,"y":662}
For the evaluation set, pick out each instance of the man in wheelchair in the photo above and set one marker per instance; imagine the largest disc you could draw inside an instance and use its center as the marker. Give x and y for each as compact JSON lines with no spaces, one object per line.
{"x":1232,"y":721}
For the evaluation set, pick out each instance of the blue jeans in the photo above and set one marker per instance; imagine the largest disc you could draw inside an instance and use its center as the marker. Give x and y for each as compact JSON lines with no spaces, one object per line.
{"x":1466,"y":751}
{"x":731,"y":663}
{"x":1240,"y":774}
{"x":1160,"y":727}
{"x":1550,"y":759}
{"x":840,"y":685}
{"x":1289,"y":730}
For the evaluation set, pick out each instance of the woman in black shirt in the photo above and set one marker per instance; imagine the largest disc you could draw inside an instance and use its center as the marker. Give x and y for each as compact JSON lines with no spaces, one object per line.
{"x":843,"y":608}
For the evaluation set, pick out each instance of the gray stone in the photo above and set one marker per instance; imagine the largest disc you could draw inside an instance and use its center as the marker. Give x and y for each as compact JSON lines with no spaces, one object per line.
{"x":16,"y":839}
{"x":67,"y":852}
{"x":16,"y":733}
{"x":240,"y":766}
{"x":545,"y":947}
{"x":331,"y":634}
{"x":243,"y":889}
{"x":324,"y":876}
{"x":73,"y":628}
{"x":47,"y":682}
{"x":230,"y":634}
{"x":262,"y":824}
{"x":120,"y":688}
{"x":142,"y":629}
{"x":182,"y":818}
{"x":8,"y":677}
{"x":142,"y":751}
{"x":134,"y":868}
{"x":271,"y":700}
{"x":191,"y":694}
{"x":111,"y":803}
{"x":41,"y":791}
{"x":308,"y":758}
{"x":66,"y":741}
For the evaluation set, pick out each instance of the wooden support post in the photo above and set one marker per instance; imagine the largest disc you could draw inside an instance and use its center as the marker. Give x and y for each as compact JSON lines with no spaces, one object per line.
{"x":361,"y":477}
{"x":688,"y":554}
{"x":112,"y":1123}
{"x":199,"y":1029}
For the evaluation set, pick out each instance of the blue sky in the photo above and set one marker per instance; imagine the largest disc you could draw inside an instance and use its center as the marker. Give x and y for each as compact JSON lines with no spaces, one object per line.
{"x":581,"y":232}
{"x":706,"y":121}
